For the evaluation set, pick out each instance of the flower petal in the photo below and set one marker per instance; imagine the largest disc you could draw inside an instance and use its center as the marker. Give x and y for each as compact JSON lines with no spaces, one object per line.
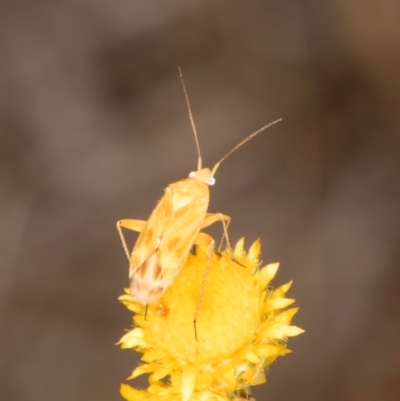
{"x":131,"y":394}
{"x":266,"y":274}
{"x":252,"y":357}
{"x":152,"y":355}
{"x":277,"y":303}
{"x":228,"y":373}
{"x":142,"y":369}
{"x":130,"y":303}
{"x":133,"y":339}
{"x":280,"y":331}
{"x":268,"y":350}
{"x":188,"y":381}
{"x":294,"y":331}
{"x":162,"y":371}
{"x":254,"y":251}
{"x":281,"y":291}
{"x":286,"y":316}
{"x":238,"y":252}
{"x":254,"y":375}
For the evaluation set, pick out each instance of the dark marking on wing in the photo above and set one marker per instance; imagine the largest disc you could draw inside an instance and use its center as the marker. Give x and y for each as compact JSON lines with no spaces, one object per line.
{"x":157,"y":273}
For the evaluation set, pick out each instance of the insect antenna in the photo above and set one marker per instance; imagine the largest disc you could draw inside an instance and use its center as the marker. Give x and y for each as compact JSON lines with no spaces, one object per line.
{"x":199,"y":162}
{"x":213,"y":171}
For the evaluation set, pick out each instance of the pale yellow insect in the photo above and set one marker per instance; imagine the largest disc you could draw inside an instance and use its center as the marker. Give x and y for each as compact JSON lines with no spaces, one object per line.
{"x":173,"y":227}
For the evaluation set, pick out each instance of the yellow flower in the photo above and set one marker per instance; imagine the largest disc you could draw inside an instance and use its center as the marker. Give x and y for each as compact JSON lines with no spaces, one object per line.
{"x":242,"y":327}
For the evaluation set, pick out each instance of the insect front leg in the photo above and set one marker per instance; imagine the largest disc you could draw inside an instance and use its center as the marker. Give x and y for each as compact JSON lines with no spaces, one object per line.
{"x":130,"y":224}
{"x":205,"y":239}
{"x":212,"y":218}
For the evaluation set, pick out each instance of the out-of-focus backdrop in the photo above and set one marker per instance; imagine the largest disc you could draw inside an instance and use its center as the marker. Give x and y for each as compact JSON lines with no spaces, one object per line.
{"x":94,"y":125}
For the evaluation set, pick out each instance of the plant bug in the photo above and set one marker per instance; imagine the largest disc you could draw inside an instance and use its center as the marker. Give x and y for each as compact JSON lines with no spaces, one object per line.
{"x":173,"y":227}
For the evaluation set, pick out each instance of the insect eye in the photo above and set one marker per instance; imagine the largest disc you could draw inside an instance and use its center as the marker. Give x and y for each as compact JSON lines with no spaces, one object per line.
{"x":192,"y":174}
{"x":210,"y":180}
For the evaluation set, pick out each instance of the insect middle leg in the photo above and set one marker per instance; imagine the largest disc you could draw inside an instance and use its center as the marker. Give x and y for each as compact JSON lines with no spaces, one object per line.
{"x":212,"y":218}
{"x":130,"y":224}
{"x":203,"y":238}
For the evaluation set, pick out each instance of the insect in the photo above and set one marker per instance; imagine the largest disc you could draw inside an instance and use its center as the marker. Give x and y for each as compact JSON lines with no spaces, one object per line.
{"x":173,"y":227}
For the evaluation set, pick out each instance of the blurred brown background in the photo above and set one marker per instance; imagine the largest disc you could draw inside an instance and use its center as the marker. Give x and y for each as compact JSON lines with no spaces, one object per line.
{"x":94,"y":125}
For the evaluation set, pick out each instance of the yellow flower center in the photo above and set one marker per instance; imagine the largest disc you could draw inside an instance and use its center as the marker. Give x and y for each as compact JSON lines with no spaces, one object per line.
{"x":228,"y":313}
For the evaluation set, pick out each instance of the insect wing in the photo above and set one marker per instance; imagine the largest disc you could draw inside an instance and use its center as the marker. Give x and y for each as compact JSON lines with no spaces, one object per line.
{"x":149,"y":238}
{"x":146,"y":279}
{"x":164,"y":243}
{"x":181,"y":234}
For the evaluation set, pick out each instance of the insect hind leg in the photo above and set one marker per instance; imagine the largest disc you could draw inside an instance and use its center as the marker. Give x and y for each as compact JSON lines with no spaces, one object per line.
{"x":224,"y":236}
{"x":225,"y":220}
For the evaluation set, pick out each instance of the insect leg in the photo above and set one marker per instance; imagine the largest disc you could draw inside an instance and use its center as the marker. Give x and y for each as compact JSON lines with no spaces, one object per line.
{"x":203,"y":238}
{"x":130,"y":224}
{"x":212,"y":218}
{"x":225,"y":236}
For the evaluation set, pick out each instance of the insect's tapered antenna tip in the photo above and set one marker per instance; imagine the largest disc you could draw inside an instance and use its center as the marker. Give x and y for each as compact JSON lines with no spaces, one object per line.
{"x":251,"y":136}
{"x":199,"y":162}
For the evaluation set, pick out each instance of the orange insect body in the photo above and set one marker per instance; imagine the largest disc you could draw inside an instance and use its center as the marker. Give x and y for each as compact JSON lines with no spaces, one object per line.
{"x":173,"y":227}
{"x":170,"y":231}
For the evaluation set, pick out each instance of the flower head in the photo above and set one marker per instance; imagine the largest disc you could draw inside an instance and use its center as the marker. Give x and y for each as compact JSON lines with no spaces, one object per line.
{"x":242,"y":327}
